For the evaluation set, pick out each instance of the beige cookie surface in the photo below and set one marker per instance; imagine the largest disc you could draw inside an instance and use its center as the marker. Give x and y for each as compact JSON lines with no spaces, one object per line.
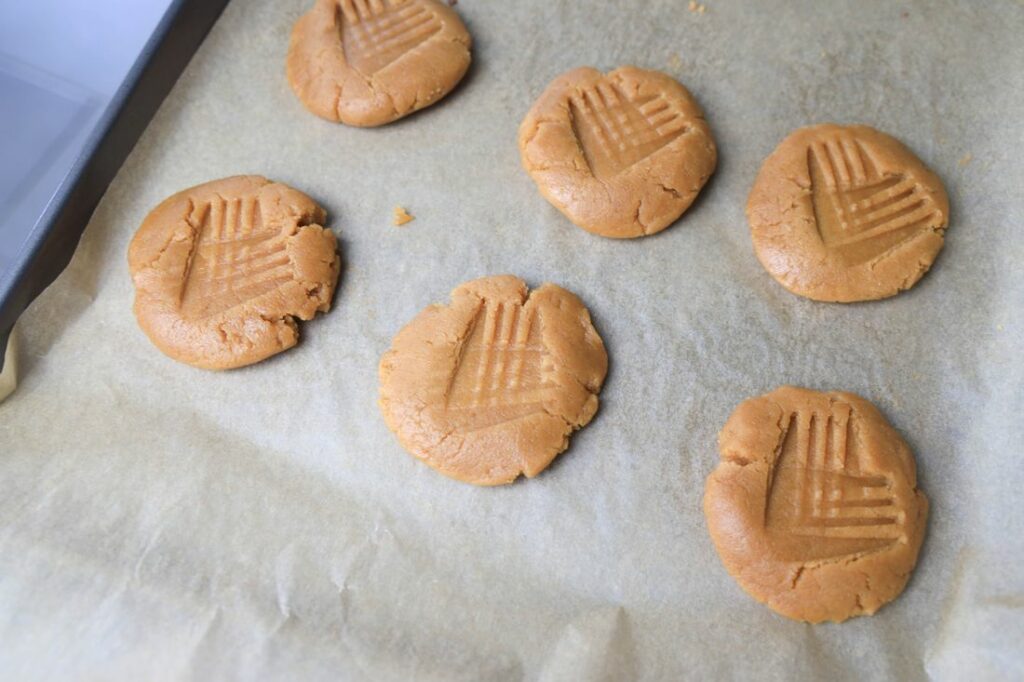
{"x":814,"y":507}
{"x":222,"y":270}
{"x":370,"y":62}
{"x":492,"y":385}
{"x":621,"y":154}
{"x":846,"y":213}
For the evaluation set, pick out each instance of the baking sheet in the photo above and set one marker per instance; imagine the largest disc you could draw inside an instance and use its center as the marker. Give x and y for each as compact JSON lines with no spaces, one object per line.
{"x":162,"y":522}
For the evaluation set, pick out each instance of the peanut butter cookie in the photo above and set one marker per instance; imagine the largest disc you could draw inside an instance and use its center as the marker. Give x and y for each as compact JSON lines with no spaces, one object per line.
{"x":846,"y":213}
{"x":814,"y":507}
{"x":621,"y":154}
{"x":492,"y":385}
{"x":370,"y":62}
{"x":221,"y":270}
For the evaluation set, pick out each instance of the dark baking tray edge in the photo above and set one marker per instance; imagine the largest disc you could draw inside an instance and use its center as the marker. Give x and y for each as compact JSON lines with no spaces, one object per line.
{"x":52,"y":243}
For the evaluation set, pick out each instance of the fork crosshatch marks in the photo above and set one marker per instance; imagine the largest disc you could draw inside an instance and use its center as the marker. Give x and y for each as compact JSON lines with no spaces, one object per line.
{"x":504,"y":372}
{"x":861,"y":213}
{"x":616,"y":132}
{"x":235,"y":257}
{"x":376,"y":33}
{"x":819,"y":499}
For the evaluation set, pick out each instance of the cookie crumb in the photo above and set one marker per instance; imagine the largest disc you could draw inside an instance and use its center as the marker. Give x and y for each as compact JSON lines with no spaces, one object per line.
{"x":675,"y":62}
{"x":965,"y":159}
{"x":696,"y":7}
{"x":401,"y":217}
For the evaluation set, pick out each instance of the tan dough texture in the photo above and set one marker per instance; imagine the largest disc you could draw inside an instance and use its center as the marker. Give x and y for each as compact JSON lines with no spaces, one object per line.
{"x":222,"y":269}
{"x":492,"y":385}
{"x":814,"y":507}
{"x":846,"y":213}
{"x":370,"y":62}
{"x":621,"y":154}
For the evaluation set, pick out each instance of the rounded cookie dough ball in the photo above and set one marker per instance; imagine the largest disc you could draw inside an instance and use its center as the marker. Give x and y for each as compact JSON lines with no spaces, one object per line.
{"x":846,"y":213}
{"x":814,"y":507}
{"x":621,"y":154}
{"x":370,"y":62}
{"x":492,"y":385}
{"x":222,"y":270}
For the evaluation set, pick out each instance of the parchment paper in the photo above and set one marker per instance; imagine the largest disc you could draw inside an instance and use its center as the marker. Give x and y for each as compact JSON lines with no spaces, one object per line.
{"x":162,"y":522}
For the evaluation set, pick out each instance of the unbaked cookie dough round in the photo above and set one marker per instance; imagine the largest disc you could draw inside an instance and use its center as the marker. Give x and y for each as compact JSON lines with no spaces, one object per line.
{"x":222,"y":269}
{"x":621,"y":154}
{"x":370,"y":62}
{"x":492,"y":385}
{"x":814,"y":507}
{"x":846,"y":213}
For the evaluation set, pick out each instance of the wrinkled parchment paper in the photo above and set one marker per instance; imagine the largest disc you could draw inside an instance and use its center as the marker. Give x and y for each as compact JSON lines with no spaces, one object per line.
{"x":162,"y":522}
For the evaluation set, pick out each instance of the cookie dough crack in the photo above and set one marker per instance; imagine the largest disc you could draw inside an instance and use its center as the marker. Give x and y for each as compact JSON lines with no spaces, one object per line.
{"x":636,"y":217}
{"x":673,"y":191}
{"x":799,"y":573}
